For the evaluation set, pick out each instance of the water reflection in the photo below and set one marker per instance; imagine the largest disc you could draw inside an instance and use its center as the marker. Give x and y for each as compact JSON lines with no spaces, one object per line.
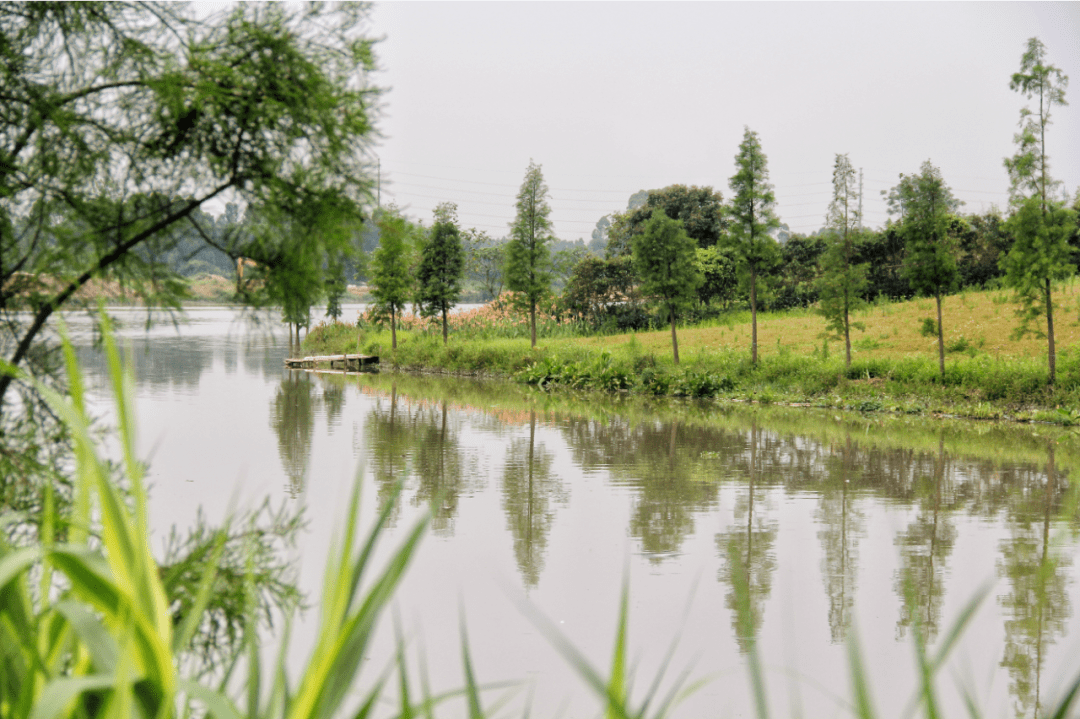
{"x":678,"y":469}
{"x":292,"y":416}
{"x":843,"y":524}
{"x":530,"y":491}
{"x":747,"y":551}
{"x":417,"y":443}
{"x":925,"y":547}
{"x":1037,"y":604}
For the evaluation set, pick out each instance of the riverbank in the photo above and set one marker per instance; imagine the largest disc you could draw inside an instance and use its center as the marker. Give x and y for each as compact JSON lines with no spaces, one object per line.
{"x":988,"y":374}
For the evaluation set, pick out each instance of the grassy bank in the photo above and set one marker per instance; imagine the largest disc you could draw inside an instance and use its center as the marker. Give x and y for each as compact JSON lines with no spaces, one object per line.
{"x":989,"y":374}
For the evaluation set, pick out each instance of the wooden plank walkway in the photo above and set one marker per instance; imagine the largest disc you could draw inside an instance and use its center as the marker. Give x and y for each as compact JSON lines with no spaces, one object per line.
{"x":347,"y":363}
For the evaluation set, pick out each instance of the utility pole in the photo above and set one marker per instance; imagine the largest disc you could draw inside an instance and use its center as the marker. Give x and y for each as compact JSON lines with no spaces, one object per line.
{"x":860,"y":198}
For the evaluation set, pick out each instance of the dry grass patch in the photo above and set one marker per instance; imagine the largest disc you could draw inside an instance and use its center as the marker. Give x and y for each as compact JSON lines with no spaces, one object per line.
{"x":983,"y":320}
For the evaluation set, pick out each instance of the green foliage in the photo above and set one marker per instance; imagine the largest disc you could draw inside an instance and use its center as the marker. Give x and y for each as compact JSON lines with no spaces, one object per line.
{"x":929,"y":327}
{"x":930,"y":262}
{"x":664,"y":259}
{"x":391,"y":264}
{"x":753,"y":217}
{"x":843,"y":281}
{"x":1029,"y":167}
{"x":528,"y":261}
{"x":442,"y":264}
{"x":700,"y":209}
{"x":720,"y":280}
{"x":110,"y":148}
{"x":602,"y":294}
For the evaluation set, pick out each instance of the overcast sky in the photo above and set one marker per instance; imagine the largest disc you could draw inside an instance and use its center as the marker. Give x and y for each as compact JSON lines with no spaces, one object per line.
{"x":614,"y":97}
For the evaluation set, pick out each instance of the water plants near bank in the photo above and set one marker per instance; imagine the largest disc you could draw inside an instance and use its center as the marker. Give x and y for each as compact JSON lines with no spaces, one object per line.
{"x":989,"y":373}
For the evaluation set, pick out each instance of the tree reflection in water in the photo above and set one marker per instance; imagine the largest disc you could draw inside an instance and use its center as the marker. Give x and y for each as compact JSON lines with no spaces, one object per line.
{"x":748,"y":547}
{"x":1037,"y":605}
{"x":842,"y":527}
{"x":529,"y":492}
{"x":292,"y":417}
{"x":925,"y":547}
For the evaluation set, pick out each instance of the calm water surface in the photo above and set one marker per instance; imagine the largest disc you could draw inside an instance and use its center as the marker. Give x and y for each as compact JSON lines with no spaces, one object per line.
{"x":548,"y":502}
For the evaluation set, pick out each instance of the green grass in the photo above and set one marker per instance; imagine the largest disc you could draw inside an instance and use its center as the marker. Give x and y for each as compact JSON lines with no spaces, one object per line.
{"x":987,"y":373}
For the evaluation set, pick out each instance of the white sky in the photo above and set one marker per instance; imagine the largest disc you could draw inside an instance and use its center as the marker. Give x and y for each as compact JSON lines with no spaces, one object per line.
{"x":614,"y":97}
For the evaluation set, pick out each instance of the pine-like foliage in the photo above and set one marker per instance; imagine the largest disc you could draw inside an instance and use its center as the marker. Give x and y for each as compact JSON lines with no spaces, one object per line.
{"x":664,"y":260}
{"x":391,"y":279}
{"x":442,"y":265}
{"x":753,"y":216}
{"x":1040,"y":255}
{"x":1029,"y":168}
{"x":1041,"y":226}
{"x":843,"y":281}
{"x":528,"y":259}
{"x":930,"y":251}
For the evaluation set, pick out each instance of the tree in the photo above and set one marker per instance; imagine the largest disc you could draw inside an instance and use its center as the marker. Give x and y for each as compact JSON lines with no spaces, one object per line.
{"x":842,"y":280}
{"x":1039,"y":255}
{"x":752,"y":217}
{"x":601,"y":291}
{"x":528,"y":260}
{"x":391,"y":278}
{"x":930,"y":250}
{"x":1029,"y":167}
{"x":700,"y":209}
{"x":109,"y":145}
{"x":442,"y":265}
{"x":665,"y":260}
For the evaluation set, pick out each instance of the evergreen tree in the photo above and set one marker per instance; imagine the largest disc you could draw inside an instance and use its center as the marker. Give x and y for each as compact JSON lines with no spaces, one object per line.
{"x":753,"y":215}
{"x":930,"y":250}
{"x":442,"y":265}
{"x":391,"y":279}
{"x":842,"y":282}
{"x":665,"y":260}
{"x":528,"y":259}
{"x":1040,"y":254}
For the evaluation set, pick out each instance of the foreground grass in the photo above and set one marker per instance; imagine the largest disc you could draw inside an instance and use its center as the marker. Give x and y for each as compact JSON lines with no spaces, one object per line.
{"x":989,"y":375}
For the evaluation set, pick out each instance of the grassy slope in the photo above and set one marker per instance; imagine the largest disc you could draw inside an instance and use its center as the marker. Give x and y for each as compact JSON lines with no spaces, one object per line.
{"x":894,"y":366}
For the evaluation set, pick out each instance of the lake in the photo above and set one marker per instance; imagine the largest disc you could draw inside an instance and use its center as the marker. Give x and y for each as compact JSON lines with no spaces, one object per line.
{"x":838,"y":524}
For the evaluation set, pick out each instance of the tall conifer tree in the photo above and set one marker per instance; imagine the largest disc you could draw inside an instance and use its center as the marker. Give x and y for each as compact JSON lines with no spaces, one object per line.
{"x":930,"y":252}
{"x":753,"y":216}
{"x":842,"y":281}
{"x":1040,"y":254}
{"x":664,"y":259}
{"x":442,"y":265}
{"x":392,"y":281}
{"x":528,"y":259}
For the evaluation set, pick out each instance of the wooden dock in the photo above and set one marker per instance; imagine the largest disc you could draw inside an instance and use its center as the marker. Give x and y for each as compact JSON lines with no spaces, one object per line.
{"x":345,"y":363}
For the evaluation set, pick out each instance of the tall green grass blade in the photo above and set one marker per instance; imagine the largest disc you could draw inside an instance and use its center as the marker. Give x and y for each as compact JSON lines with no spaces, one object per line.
{"x":217,"y":706}
{"x":405,"y":699}
{"x":1063,"y":707}
{"x":860,"y":687}
{"x":60,"y":693}
{"x":190,"y":623}
{"x":102,"y":646}
{"x":617,"y":681}
{"x":577,"y":660}
{"x":472,"y":693}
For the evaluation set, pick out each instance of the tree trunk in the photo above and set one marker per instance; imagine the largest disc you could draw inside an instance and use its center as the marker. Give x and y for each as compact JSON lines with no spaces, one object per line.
{"x":393,"y":329}
{"x":674,"y":339}
{"x":940,"y":338}
{"x":753,"y":315}
{"x":1050,"y":332}
{"x":847,"y":334}
{"x":532,"y":323}
{"x":444,"y":326}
